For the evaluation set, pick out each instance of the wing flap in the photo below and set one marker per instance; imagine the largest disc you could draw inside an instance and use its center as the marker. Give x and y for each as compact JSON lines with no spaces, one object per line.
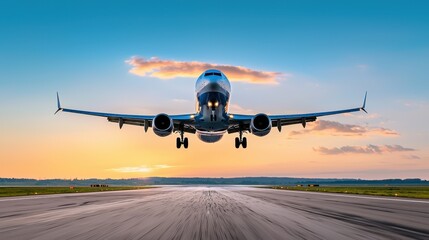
{"x":284,"y":122}
{"x":130,"y":121}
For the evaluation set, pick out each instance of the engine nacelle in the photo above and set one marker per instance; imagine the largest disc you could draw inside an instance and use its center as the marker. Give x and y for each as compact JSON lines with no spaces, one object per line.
{"x":162,"y":125}
{"x":260,"y":125}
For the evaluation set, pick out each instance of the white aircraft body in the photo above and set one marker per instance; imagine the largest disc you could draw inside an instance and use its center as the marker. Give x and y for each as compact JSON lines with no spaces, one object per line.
{"x":212,"y":118}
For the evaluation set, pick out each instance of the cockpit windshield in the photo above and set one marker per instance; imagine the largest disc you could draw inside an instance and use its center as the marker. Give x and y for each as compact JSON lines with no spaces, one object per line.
{"x":212,"y":73}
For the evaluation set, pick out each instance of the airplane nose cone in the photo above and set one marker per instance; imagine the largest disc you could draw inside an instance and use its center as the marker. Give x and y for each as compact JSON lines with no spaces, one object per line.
{"x":214,"y":78}
{"x":213,"y":85}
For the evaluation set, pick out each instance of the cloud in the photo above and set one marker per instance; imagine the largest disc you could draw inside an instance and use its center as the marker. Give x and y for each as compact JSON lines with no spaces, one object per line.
{"x":140,"y":169}
{"x":167,"y":69}
{"x":163,"y":166}
{"x":412,"y":157}
{"x":416,"y":104}
{"x":362,"y":67}
{"x":180,"y":100}
{"x":369,"y":149}
{"x":235,"y":108}
{"x":340,"y":129}
{"x":363,"y":116}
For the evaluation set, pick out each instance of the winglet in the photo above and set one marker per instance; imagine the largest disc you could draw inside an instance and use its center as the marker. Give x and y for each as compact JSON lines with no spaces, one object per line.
{"x":364,"y":103}
{"x":58,"y":104}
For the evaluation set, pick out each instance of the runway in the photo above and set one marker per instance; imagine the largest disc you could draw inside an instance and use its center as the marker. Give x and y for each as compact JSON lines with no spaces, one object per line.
{"x":218,"y":212}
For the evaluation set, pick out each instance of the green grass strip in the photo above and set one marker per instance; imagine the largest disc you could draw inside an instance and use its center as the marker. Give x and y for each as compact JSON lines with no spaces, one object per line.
{"x":400,"y":191}
{"x":31,"y":191}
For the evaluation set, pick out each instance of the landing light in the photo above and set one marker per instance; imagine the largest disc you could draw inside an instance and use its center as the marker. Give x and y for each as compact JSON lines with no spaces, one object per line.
{"x":216,"y":104}
{"x":209,"y":104}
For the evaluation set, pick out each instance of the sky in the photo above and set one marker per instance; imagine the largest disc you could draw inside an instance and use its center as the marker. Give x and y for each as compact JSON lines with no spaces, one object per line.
{"x":143,"y":57}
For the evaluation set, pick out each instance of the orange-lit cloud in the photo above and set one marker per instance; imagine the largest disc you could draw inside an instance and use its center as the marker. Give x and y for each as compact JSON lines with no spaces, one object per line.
{"x":363,"y":116}
{"x":235,"y":108}
{"x":369,"y":149}
{"x":339,"y":129}
{"x":414,"y":157}
{"x":167,"y":69}
{"x":140,"y":169}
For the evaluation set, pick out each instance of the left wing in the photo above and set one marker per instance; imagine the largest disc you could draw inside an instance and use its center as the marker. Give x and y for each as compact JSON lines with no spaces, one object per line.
{"x":182,"y":121}
{"x":242,"y":122}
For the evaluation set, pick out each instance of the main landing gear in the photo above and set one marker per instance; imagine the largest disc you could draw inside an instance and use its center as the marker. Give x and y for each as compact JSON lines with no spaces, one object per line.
{"x":181,"y":140}
{"x":241,"y":141}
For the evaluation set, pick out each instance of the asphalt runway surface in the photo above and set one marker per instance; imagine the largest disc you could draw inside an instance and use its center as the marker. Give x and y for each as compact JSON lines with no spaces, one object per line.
{"x":205,"y":212}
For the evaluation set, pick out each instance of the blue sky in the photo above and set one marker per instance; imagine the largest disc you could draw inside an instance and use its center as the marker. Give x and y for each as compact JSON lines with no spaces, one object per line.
{"x":331,"y":52}
{"x":44,"y":40}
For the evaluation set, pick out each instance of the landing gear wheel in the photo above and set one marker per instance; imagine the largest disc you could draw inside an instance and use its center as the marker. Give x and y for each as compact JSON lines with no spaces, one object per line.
{"x":178,"y":143}
{"x":237,"y":142}
{"x":185,"y":142}
{"x":244,"y":142}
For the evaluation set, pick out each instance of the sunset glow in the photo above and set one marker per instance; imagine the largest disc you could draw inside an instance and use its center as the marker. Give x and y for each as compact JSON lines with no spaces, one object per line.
{"x":280,"y":60}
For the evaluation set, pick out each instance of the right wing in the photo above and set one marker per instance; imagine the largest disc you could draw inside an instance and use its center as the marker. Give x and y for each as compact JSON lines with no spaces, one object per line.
{"x":240,"y":122}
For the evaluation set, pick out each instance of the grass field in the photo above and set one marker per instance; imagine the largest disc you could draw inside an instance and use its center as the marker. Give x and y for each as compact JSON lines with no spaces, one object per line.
{"x":402,"y":191}
{"x":26,"y":191}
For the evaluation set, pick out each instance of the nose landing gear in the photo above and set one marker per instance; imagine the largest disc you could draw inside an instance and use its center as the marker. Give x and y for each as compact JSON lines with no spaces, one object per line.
{"x":213,"y":116}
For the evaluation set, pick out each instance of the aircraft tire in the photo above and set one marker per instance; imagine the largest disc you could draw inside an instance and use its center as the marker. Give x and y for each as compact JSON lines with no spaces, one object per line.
{"x":185,"y":142}
{"x":178,"y":143}
{"x":237,"y":142}
{"x":244,"y":142}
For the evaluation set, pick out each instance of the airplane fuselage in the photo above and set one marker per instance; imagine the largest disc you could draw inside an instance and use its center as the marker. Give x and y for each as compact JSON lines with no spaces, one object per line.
{"x":213,"y":92}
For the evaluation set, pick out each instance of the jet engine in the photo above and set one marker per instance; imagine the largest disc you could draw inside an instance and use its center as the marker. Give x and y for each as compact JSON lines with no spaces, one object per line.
{"x":260,"y":125}
{"x":162,"y":125}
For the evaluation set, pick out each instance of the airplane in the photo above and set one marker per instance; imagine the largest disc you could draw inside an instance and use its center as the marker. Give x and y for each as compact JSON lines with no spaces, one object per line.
{"x":212,"y":118}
